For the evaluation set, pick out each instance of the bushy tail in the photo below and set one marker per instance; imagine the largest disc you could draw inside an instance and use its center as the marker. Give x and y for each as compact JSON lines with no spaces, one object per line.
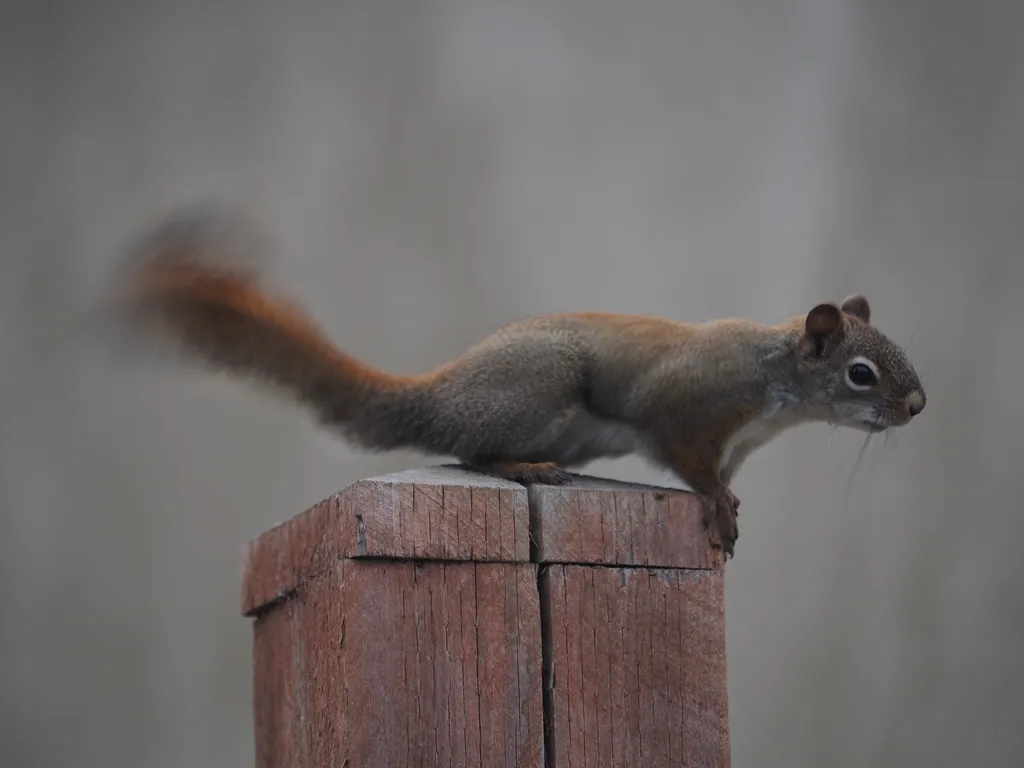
{"x":178,"y":289}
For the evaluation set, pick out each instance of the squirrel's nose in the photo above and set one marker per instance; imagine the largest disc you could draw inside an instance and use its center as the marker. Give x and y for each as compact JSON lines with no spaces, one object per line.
{"x":915,"y":402}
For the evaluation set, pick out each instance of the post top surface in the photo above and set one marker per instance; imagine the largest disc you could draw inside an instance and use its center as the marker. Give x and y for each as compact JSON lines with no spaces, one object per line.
{"x":442,"y":474}
{"x":450,"y":513}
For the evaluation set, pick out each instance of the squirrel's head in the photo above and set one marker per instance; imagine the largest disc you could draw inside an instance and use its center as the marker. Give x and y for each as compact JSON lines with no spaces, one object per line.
{"x":853,"y":374}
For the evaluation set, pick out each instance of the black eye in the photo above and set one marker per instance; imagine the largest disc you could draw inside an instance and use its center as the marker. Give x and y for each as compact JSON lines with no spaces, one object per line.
{"x":861,"y":375}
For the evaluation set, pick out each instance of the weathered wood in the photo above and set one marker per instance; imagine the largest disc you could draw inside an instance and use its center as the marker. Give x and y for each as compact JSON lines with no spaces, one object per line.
{"x":441,"y":513}
{"x":403,"y":622}
{"x":379,"y":663}
{"x":635,"y":667}
{"x":274,"y":715}
{"x":606,"y":522}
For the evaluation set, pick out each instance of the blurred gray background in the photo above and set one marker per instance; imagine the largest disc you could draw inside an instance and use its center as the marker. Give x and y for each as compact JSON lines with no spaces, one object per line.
{"x":432,"y":169}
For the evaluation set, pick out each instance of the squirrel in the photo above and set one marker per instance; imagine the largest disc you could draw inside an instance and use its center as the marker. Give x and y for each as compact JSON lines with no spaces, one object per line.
{"x":543,"y":394}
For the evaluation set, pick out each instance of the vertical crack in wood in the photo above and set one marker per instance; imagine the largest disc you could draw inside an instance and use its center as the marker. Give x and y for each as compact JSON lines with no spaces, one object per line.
{"x":479,"y":656}
{"x":462,"y":667}
{"x":518,"y":668}
{"x":547,"y":665}
{"x":614,"y":691}
{"x":514,"y":554}
{"x":405,"y":671}
{"x":581,"y":577}
{"x":684,"y":629}
{"x":637,"y":640}
{"x":433,"y":668}
{"x":501,"y":526}
{"x":571,"y":721}
{"x":534,"y":522}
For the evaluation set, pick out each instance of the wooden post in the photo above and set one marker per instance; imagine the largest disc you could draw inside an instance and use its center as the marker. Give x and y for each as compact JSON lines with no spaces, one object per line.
{"x":443,"y":617}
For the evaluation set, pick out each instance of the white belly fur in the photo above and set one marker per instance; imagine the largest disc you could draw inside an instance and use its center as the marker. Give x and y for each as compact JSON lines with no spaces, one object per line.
{"x":589,"y":438}
{"x":754,"y":434}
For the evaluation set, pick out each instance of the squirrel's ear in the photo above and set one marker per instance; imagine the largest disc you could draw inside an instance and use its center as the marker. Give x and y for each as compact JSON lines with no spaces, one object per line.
{"x":823,"y":321}
{"x":857,"y":306}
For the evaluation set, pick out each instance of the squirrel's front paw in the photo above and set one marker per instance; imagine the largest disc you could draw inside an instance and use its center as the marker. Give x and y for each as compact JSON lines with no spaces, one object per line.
{"x":735,"y":503}
{"x":720,"y":520}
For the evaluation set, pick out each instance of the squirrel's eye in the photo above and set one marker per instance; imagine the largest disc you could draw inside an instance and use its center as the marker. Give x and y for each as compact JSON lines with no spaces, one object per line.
{"x":861,"y":375}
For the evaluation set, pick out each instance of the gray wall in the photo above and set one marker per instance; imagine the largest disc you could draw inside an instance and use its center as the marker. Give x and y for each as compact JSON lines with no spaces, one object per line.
{"x":433,"y":169}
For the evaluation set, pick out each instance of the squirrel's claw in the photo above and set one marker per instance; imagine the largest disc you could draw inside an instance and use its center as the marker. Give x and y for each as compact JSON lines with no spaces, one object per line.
{"x":720,"y":521}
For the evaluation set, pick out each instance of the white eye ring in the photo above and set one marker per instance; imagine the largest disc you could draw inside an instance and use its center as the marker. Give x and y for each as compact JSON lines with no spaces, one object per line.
{"x":865,"y":362}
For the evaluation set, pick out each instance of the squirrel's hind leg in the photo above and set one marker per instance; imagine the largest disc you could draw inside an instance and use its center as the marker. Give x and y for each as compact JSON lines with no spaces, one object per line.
{"x":542,"y":473}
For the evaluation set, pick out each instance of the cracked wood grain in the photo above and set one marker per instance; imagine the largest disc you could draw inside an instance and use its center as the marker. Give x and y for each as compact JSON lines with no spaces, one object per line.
{"x":603,"y":522}
{"x":440,"y":513}
{"x":402,"y":622}
{"x":636,"y":667}
{"x":379,"y":663}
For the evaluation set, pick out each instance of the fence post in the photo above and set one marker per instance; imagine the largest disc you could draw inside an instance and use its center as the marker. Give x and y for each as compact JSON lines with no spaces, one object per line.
{"x":443,"y":617}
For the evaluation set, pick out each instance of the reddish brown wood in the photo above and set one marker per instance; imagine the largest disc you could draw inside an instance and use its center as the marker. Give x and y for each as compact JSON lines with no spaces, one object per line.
{"x":597,"y":521}
{"x":379,"y":663}
{"x":441,"y":513}
{"x":402,"y":622}
{"x":652,"y":691}
{"x":273,"y":711}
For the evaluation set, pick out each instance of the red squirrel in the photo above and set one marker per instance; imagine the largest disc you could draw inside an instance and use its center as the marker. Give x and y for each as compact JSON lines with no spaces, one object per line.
{"x":543,"y":394}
